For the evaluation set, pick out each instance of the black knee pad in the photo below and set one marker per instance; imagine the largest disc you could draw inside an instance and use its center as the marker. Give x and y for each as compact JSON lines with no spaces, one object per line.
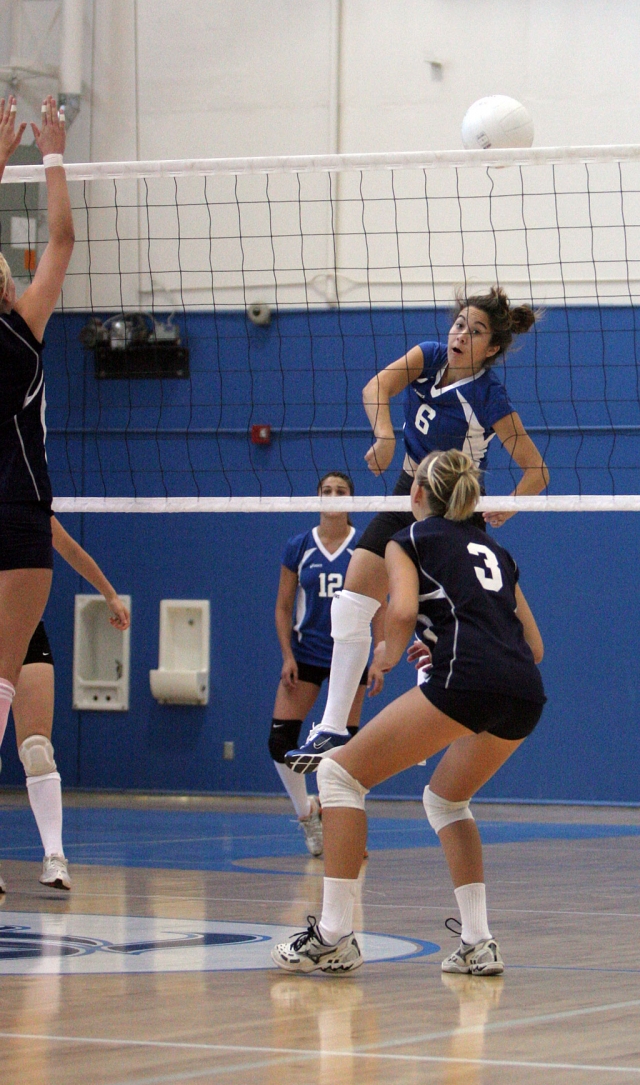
{"x":283,"y":736}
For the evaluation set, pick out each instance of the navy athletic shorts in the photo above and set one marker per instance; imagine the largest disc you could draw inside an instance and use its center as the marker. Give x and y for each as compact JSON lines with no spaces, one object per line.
{"x":39,"y":650}
{"x":387,"y":524}
{"x":25,"y":537}
{"x":506,"y":717}
{"x":307,"y":672}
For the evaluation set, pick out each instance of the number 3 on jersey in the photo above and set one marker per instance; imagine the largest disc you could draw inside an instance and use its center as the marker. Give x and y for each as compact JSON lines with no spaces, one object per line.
{"x":488,"y":574}
{"x":329,"y":584}
{"x":424,"y":417}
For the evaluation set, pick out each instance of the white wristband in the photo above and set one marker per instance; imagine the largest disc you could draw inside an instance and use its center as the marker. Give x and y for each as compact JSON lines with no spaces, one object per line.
{"x":50,"y":160}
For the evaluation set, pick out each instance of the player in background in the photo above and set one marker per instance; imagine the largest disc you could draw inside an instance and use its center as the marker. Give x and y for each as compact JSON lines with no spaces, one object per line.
{"x":484,"y":695}
{"x":26,"y":556}
{"x":33,"y":715}
{"x":452,"y":399}
{"x":314,"y":565}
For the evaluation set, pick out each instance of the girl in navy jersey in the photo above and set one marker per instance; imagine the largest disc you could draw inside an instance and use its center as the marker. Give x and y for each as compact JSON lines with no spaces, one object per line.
{"x":483,"y":697}
{"x":314,"y":565}
{"x":33,"y":707}
{"x":26,"y":559}
{"x":452,"y":399}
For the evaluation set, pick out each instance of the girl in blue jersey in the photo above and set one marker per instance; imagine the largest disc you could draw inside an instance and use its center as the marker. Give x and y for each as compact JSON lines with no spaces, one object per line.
{"x":483,"y":697}
{"x":452,"y":399}
{"x":26,"y":559}
{"x":314,"y":565}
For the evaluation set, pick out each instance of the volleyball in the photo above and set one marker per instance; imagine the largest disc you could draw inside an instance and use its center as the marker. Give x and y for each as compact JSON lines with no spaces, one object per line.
{"x":497,"y":121}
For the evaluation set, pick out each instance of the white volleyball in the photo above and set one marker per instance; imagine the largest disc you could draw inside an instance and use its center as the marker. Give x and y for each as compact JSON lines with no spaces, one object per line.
{"x":497,"y":121}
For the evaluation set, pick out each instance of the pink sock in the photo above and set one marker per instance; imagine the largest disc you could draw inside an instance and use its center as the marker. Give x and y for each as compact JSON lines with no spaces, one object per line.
{"x":7,"y":693}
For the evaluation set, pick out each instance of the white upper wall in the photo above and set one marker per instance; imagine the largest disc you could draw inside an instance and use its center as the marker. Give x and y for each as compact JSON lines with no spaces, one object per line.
{"x":249,"y":77}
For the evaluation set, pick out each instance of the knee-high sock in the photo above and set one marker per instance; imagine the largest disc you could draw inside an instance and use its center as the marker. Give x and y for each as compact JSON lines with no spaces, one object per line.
{"x":296,"y":786}
{"x":7,"y":693}
{"x":472,"y":902}
{"x":45,"y":796}
{"x":351,"y":616}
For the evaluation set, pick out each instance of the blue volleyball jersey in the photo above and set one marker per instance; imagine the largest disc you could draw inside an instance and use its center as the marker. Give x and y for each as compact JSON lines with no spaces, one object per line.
{"x":467,"y":605}
{"x":459,"y":416}
{"x":24,"y":476}
{"x":320,"y":575}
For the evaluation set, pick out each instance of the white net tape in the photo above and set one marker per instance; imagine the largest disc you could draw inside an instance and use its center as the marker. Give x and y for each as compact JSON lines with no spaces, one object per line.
{"x":567,"y":503}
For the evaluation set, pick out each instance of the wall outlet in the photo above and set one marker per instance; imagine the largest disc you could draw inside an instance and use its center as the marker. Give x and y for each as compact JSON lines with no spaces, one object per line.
{"x":228,"y":751}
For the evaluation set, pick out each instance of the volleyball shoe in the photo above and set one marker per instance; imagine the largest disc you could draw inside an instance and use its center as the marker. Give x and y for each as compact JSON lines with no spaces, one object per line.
{"x":55,"y":872}
{"x":312,"y":828}
{"x":483,"y":959}
{"x":307,"y":952}
{"x":318,"y":745}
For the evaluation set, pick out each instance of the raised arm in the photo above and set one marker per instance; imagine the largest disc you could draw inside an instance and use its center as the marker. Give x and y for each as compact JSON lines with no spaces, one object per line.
{"x":9,"y":138}
{"x":84,"y":564}
{"x":39,"y":299}
{"x":535,"y":475}
{"x":376,"y":396}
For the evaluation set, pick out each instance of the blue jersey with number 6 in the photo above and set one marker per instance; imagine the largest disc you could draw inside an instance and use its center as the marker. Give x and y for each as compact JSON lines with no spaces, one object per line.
{"x":320,"y":575}
{"x":462,"y":415}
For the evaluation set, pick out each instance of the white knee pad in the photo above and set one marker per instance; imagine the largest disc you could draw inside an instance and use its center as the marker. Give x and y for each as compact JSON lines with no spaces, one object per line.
{"x":441,"y":812}
{"x":36,"y":754}
{"x":351,"y":615}
{"x":337,"y":787}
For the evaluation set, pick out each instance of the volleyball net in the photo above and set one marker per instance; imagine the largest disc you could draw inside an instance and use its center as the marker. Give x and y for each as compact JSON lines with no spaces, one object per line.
{"x":220,"y":318}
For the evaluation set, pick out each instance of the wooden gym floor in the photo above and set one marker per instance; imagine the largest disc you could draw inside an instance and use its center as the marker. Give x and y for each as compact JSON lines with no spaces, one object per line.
{"x":155,"y":968}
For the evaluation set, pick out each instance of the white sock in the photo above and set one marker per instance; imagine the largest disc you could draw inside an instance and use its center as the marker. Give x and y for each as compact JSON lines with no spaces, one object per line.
{"x":472,"y":902}
{"x":7,"y":693}
{"x":45,"y":796}
{"x":337,"y":908}
{"x":296,"y":787}
{"x":351,"y":616}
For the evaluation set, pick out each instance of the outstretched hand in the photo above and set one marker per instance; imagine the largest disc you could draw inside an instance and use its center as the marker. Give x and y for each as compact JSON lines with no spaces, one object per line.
{"x":9,"y":137}
{"x":51,"y":138}
{"x":119,"y":617}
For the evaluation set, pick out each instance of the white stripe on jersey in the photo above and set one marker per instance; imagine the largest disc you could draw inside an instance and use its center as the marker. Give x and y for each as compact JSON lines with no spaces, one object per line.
{"x":475,"y":443}
{"x":301,"y":598}
{"x":439,"y":594}
{"x":26,"y":460}
{"x":324,"y":552}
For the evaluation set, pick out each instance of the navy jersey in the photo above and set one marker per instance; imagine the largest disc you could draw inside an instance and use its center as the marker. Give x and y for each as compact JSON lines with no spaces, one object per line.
{"x":23,"y":463}
{"x":459,"y":416}
{"x":467,"y":605}
{"x":320,"y":575}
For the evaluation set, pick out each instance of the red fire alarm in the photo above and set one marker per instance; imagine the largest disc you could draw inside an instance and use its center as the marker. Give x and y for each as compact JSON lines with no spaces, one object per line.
{"x":261,"y":435}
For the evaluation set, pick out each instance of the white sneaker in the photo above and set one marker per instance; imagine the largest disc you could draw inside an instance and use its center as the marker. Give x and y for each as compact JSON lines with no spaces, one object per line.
{"x":55,"y":872}
{"x":483,"y":959}
{"x":307,"y":951}
{"x":312,"y":828}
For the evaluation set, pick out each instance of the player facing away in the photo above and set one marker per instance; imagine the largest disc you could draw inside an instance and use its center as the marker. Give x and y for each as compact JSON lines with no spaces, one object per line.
{"x":452,"y":399}
{"x":33,"y":715}
{"x":484,"y":695}
{"x":26,"y":557}
{"x":313,"y":568}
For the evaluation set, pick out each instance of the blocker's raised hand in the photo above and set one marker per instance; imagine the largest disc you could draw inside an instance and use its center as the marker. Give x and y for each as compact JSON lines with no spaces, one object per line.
{"x":9,"y":137}
{"x":51,"y":138}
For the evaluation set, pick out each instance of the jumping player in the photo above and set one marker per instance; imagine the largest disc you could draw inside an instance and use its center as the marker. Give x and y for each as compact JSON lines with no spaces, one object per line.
{"x":452,"y":399}
{"x":33,"y":715}
{"x":26,"y":558}
{"x":313,"y":569}
{"x":483,"y":697}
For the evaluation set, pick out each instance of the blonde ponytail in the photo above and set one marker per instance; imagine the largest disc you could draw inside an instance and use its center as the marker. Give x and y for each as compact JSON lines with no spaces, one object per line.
{"x":451,"y":483}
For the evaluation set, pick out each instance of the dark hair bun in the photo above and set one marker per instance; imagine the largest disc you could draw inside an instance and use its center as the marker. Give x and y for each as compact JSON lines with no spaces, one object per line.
{"x":523,"y":317}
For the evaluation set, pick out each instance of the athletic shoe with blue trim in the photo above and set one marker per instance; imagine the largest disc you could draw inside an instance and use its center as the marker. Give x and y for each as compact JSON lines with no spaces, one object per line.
{"x":307,"y":951}
{"x":317,"y":746}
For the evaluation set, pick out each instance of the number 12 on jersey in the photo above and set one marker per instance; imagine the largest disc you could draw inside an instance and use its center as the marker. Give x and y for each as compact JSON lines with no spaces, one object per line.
{"x":330,"y":583}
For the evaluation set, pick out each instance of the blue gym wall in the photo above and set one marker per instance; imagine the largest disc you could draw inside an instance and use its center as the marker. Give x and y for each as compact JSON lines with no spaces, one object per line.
{"x":574,"y":383}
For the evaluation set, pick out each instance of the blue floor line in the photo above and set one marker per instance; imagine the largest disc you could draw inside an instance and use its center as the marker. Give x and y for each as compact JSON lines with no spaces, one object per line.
{"x":184,"y":840}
